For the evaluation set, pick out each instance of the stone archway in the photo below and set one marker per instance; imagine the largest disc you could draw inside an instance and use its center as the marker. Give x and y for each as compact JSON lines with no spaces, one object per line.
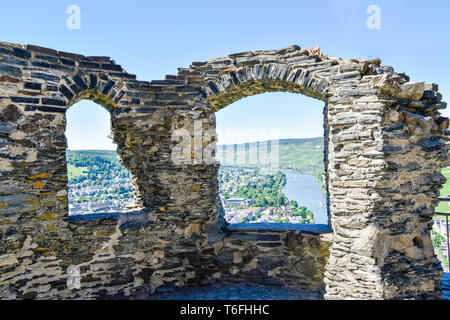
{"x":370,"y":115}
{"x":385,"y":149}
{"x":252,"y":77}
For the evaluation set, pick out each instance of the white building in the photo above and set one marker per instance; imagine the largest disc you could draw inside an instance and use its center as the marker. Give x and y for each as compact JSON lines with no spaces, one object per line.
{"x":239,"y":202}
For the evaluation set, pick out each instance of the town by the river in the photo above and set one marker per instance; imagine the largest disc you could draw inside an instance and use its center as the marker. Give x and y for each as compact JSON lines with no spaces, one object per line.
{"x":251,"y":196}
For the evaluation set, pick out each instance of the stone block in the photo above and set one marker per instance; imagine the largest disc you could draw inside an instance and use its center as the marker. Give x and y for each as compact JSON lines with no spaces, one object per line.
{"x":18,"y":203}
{"x":7,"y":70}
{"x":6,"y":127}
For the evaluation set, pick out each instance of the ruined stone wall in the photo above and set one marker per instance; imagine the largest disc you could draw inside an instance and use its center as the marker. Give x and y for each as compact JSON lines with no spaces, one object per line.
{"x":414,"y":149}
{"x":379,"y":245}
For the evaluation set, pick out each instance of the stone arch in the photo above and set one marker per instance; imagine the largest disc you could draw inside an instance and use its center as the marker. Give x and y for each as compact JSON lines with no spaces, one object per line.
{"x":257,"y":79}
{"x":240,"y":82}
{"x":106,"y":91}
{"x":366,"y":105}
{"x":100,"y":80}
{"x":36,"y":189}
{"x":223,"y":81}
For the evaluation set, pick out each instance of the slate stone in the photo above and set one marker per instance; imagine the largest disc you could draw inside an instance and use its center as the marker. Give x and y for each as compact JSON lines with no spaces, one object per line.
{"x":53,"y":102}
{"x":66,"y":92}
{"x":24,"y":100}
{"x":6,"y":127}
{"x":22,"y":53}
{"x":10,"y":113}
{"x":80,"y":82}
{"x":47,"y":58}
{"x":32,"y":85}
{"x":431,"y":144}
{"x":44,"y":76}
{"x":14,"y":61}
{"x":108,"y":87}
{"x":7,"y":70}
{"x":12,"y":204}
{"x":254,"y":236}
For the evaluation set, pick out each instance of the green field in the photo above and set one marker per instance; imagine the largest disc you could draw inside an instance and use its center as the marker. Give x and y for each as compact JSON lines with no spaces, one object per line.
{"x":445,"y":192}
{"x":73,"y":171}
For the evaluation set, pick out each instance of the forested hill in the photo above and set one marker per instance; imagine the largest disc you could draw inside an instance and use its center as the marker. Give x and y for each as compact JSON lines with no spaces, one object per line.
{"x":110,"y":155}
{"x":305,"y":153}
{"x":94,"y":165}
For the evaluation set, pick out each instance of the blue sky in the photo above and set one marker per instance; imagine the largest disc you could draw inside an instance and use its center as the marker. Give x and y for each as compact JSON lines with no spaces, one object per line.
{"x":154,"y":38}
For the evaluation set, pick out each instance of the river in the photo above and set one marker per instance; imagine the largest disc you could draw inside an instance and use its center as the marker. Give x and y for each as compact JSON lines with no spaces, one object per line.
{"x":306,"y":191}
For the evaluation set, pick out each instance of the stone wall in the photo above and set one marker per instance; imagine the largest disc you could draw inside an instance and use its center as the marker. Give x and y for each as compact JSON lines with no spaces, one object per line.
{"x":385,"y":146}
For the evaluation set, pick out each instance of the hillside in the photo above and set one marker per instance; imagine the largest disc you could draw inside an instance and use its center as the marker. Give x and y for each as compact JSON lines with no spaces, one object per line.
{"x":98,"y":182}
{"x":445,"y":192}
{"x":304,"y":153}
{"x":90,"y":163}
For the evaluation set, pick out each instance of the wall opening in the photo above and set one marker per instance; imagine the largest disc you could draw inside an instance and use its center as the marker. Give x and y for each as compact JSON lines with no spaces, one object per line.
{"x":441,"y":227}
{"x":272,"y":165}
{"x":97,"y":181}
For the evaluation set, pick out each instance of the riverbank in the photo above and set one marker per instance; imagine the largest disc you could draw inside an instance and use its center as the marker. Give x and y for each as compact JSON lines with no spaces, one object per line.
{"x":307,"y":192}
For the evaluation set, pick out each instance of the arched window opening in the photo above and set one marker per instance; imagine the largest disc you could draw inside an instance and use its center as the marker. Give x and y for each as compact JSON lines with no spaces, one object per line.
{"x":97,"y":181}
{"x":271,"y":150}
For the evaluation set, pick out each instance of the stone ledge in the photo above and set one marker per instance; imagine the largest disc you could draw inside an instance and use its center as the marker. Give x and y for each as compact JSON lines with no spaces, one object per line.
{"x":128,"y":219}
{"x":314,"y":229}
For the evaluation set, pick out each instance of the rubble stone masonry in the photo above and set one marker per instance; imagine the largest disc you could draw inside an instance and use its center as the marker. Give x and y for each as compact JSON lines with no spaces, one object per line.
{"x":385,"y":148}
